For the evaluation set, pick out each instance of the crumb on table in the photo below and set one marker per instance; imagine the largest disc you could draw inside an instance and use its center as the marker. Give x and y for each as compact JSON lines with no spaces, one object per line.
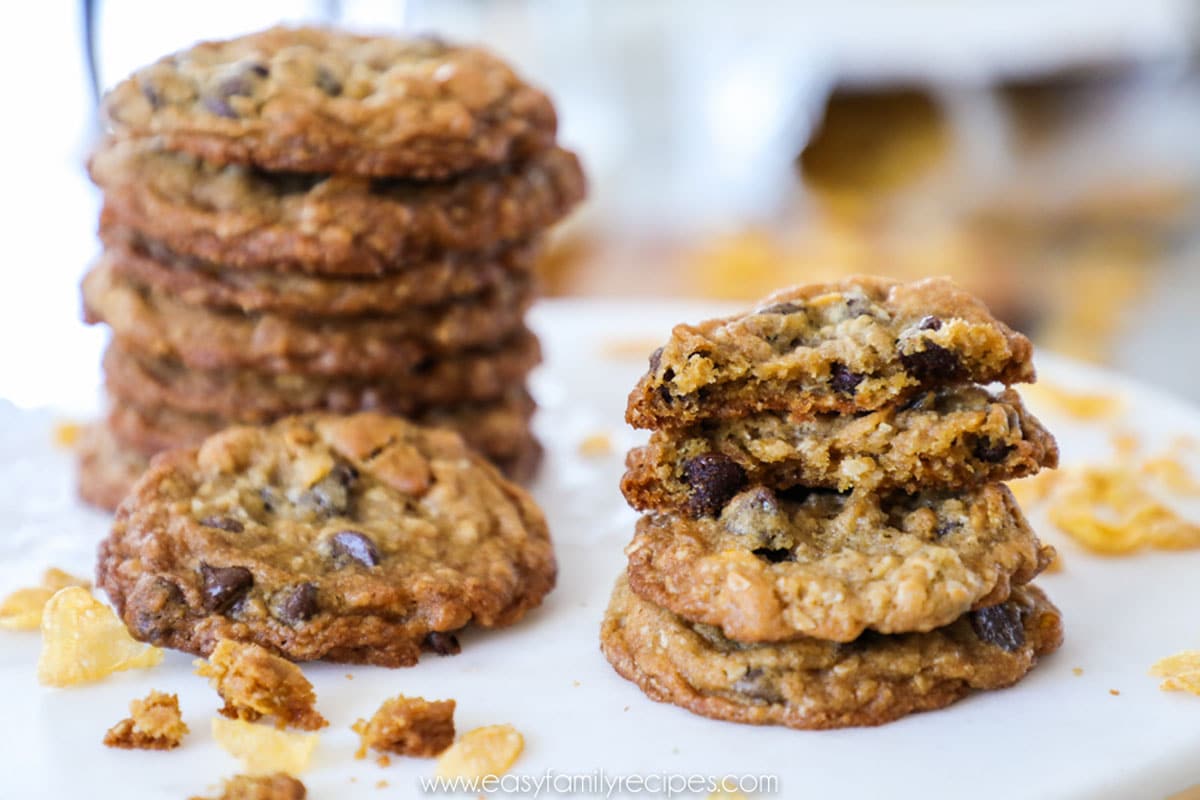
{"x":255,"y":683}
{"x":278,"y":786}
{"x":407,"y":726}
{"x":154,"y":723}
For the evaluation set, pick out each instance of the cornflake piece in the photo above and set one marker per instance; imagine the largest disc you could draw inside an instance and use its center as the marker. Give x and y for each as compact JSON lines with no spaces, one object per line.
{"x":22,"y":610}
{"x":1180,"y":672}
{"x":261,"y":787}
{"x":263,"y":750}
{"x":66,"y":434}
{"x":83,"y":641}
{"x":408,"y":726}
{"x":595,"y":445}
{"x":255,"y":683}
{"x":153,"y":724}
{"x":490,"y":750}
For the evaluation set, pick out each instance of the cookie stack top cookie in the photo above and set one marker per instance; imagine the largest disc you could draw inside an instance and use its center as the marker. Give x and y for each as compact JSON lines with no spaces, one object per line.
{"x":304,"y":219}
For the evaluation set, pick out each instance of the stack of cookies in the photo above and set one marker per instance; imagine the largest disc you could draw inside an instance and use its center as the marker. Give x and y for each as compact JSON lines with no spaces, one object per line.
{"x":302,"y":220}
{"x":828,"y":541}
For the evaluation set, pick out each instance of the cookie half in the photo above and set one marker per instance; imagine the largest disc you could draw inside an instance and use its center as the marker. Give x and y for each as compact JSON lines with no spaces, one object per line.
{"x":774,"y":566}
{"x":846,"y":347}
{"x":816,"y":684}
{"x":326,"y":224}
{"x":357,"y":539}
{"x":953,"y":437}
{"x":316,"y":100}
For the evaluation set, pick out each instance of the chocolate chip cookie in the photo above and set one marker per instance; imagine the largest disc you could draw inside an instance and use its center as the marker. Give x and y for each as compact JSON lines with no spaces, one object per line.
{"x":203,"y":338}
{"x":326,"y":224}
{"x":358,"y":539}
{"x":313,"y":100}
{"x":442,"y":279}
{"x":778,"y":565}
{"x":810,"y":683}
{"x":951,"y":437}
{"x":846,"y":347}
{"x":106,"y":469}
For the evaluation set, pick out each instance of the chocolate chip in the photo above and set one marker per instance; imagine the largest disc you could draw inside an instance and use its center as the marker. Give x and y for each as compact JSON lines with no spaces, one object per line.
{"x":930,"y":323}
{"x":331,"y":495}
{"x":443,"y":643}
{"x":933,"y":363}
{"x":991,"y":451}
{"x":152,"y":96}
{"x":713,"y":478}
{"x":270,"y":499}
{"x":327,"y":83}
{"x":656,"y":359}
{"x":1000,"y":625}
{"x":259,"y":69}
{"x":222,"y":523}
{"x":157,"y":606}
{"x":355,"y":546}
{"x":757,"y":685}
{"x":297,"y":604}
{"x":664,"y":392}
{"x":843,"y":380}
{"x":775,"y":555}
{"x":946,"y":528}
{"x":220,"y":107}
{"x":224,"y":586}
{"x":781,"y":308}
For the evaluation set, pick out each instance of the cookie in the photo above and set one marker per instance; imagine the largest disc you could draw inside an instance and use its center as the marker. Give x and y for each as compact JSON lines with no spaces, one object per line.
{"x":952,"y":437}
{"x":353,"y":539}
{"x":814,"y":684}
{"x":774,"y":566}
{"x":442,"y":279}
{"x":845,"y":347}
{"x":206,"y":339}
{"x":105,"y":469}
{"x":326,"y":224}
{"x":253,"y":396}
{"x":318,"y":100}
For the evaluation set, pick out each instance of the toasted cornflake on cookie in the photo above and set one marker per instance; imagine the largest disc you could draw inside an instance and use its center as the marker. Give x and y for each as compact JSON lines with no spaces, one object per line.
{"x":811,"y":683}
{"x":845,"y":347}
{"x":154,"y":723}
{"x":315,"y":100}
{"x":279,"y":786}
{"x":776,"y":566}
{"x":254,"y":683}
{"x":360,"y":539}
{"x":408,"y":726}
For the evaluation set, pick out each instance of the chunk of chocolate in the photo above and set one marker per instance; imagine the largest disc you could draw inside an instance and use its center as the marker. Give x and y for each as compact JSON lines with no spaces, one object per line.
{"x":991,"y":452}
{"x":1001,"y":626}
{"x":775,"y":555}
{"x":443,"y":643}
{"x":843,"y":380}
{"x":757,"y":684}
{"x":297,"y":604}
{"x":354,"y":546}
{"x":712,"y":478}
{"x":224,"y":586}
{"x":934,"y":363}
{"x":222,"y":523}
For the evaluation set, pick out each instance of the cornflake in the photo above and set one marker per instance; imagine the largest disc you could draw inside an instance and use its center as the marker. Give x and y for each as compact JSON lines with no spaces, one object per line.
{"x":22,"y":610}
{"x":83,"y":641}
{"x":255,"y":683}
{"x":490,"y":750}
{"x":408,"y":726}
{"x":154,"y":723}
{"x":264,"y":750}
{"x":595,"y":445}
{"x":1180,"y":672}
{"x":261,"y":787}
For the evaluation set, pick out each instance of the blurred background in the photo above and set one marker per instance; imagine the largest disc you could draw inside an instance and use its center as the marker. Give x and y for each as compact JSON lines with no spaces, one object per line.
{"x":1045,"y":154}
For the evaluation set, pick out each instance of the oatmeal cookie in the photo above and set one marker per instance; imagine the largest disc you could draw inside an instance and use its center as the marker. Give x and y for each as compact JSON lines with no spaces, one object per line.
{"x":320,"y":100}
{"x":326,"y":224}
{"x":206,"y":339}
{"x":846,"y":347}
{"x":106,"y":469}
{"x":442,"y":279}
{"x":817,"y":563}
{"x":810,"y":683}
{"x":324,"y":537}
{"x":952,"y":437}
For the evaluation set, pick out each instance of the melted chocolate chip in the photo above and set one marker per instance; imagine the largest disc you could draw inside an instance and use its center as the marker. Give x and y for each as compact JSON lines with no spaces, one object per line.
{"x":991,"y":452}
{"x":224,"y":586}
{"x":355,"y":546}
{"x":443,"y":643}
{"x":713,"y":478}
{"x":843,"y":380}
{"x":933,"y":363}
{"x":930,"y":323}
{"x":327,"y":83}
{"x":222,"y":523}
{"x":157,"y":606}
{"x":755,"y":684}
{"x":331,"y":495}
{"x":781,"y":308}
{"x":664,"y":392}
{"x":775,"y":555}
{"x":1001,"y":626}
{"x":297,"y":604}
{"x":259,"y":69}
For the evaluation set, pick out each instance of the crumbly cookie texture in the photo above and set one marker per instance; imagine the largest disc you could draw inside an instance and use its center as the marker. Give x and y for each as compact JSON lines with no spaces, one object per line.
{"x":254,"y":396}
{"x":776,"y":566}
{"x":318,"y":100}
{"x":846,"y":347}
{"x":279,"y":786}
{"x":203,"y":338}
{"x":255,"y":683}
{"x":408,"y":726}
{"x":952,"y":437}
{"x":326,"y":224}
{"x":440,"y":279}
{"x":105,"y":469}
{"x":154,"y":723}
{"x":355,"y":539}
{"x":811,"y":683}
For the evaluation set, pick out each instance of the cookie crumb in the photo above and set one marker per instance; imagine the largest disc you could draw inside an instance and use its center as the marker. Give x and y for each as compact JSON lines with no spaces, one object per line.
{"x":66,"y":434}
{"x":595,"y":445}
{"x":83,"y":641}
{"x":1180,"y":672}
{"x":1077,"y":671}
{"x":255,"y":683}
{"x":22,"y":610}
{"x":407,"y":726}
{"x":383,"y":761}
{"x":154,"y":723}
{"x":262,"y":749}
{"x":261,"y":787}
{"x":490,"y":750}
{"x":1114,"y":692}
{"x":349,"y":677}
{"x":381,"y":784}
